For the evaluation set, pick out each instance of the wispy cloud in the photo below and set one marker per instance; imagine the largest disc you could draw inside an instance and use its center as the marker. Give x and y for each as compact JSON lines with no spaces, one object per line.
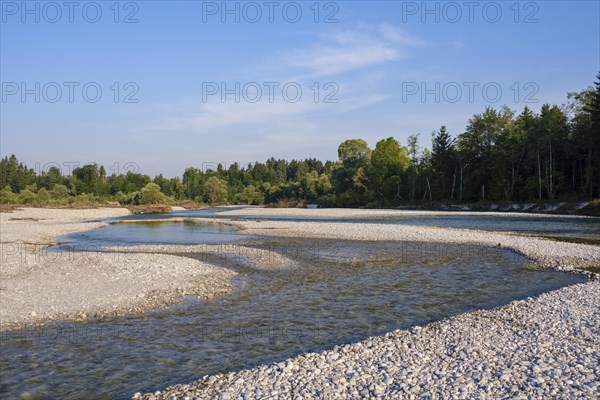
{"x":396,"y":35}
{"x":328,"y":57}
{"x":204,"y":117}
{"x":458,"y":45}
{"x":343,"y":51}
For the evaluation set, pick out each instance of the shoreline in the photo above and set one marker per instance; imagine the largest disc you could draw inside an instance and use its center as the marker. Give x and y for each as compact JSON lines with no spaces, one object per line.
{"x":541,"y":330}
{"x":403,"y":363}
{"x":546,"y":253}
{"x":383,"y":212}
{"x":526,"y":349}
{"x":40,"y":286}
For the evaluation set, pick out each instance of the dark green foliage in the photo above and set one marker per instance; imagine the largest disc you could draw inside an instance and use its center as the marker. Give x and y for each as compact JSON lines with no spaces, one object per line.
{"x":15,"y":174}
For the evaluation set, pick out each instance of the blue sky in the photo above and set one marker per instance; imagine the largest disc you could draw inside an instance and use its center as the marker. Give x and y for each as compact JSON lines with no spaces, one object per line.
{"x":349,"y":68}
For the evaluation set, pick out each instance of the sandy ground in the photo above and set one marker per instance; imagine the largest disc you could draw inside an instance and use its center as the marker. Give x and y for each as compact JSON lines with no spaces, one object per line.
{"x":38,"y":286}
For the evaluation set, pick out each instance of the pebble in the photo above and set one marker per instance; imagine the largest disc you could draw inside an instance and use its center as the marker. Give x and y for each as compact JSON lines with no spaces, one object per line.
{"x":436,"y":362}
{"x":474,"y":355}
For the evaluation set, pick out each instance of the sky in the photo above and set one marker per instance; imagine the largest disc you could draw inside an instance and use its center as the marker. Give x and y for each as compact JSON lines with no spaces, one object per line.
{"x":158,"y":86}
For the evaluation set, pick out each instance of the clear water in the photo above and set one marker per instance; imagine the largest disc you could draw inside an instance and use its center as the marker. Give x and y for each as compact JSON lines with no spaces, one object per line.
{"x":560,"y":226}
{"x":132,"y":234}
{"x":341,"y":292}
{"x":552,"y":226}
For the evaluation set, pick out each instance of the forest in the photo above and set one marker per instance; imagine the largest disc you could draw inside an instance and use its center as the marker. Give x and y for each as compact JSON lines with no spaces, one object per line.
{"x":536,"y":155}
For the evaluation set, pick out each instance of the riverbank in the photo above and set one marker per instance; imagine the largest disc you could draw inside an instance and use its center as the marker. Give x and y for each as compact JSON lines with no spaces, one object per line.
{"x":544,"y":252}
{"x":354,"y":213}
{"x":38,"y":285}
{"x":542,"y":347}
{"x":582,"y":207}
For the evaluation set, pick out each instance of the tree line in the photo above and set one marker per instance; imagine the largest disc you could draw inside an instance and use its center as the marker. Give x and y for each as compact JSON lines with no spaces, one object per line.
{"x":501,"y":156}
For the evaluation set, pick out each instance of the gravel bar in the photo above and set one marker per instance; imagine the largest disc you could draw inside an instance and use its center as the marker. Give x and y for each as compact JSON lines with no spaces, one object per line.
{"x":542,"y":347}
{"x":539,"y":348}
{"x":38,"y":286}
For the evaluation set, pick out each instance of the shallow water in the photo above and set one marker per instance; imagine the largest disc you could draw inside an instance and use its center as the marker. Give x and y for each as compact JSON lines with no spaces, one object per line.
{"x":556,"y":227}
{"x":150,"y":233}
{"x":340,"y":292}
{"x":194,"y":231}
{"x":559,"y":227}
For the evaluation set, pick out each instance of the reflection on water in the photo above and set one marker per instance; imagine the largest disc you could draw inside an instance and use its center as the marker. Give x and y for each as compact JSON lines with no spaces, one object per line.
{"x":341,"y":292}
{"x":139,"y":233}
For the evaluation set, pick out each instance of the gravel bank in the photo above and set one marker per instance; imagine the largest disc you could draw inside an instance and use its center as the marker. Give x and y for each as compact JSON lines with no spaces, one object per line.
{"x":43,"y":225}
{"x":360,"y":213}
{"x":248,"y":256}
{"x":546,"y":253}
{"x":543,"y":347}
{"x":37,"y":286}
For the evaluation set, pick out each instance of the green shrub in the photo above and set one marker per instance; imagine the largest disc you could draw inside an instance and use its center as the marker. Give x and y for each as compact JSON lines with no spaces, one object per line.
{"x":151,"y":194}
{"x":26,"y":196}
{"x":44,"y":196}
{"x":326,"y":201}
{"x":287,"y":203}
{"x":7,"y":196}
{"x":59,"y":192}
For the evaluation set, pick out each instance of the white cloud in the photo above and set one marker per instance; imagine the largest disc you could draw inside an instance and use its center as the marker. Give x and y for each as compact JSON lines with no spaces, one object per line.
{"x":458,"y":45}
{"x":275,"y":116}
{"x":350,"y":50}
{"x":397,"y":35}
{"x":355,"y":51}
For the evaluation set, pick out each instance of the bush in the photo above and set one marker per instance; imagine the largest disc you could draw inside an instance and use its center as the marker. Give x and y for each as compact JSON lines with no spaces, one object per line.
{"x":59,"y":192}
{"x":251,"y":196}
{"x":151,"y":194}
{"x":43,"y":195}
{"x":326,"y":201}
{"x":215,"y":190}
{"x":122,"y":198}
{"x":26,"y":196}
{"x":7,"y":196}
{"x":287,"y":203}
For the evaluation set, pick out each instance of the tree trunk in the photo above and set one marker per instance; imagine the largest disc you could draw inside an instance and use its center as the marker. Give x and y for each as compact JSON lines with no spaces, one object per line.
{"x":461,"y":182}
{"x":573,"y":176}
{"x":453,"y":184}
{"x":551,"y":181}
{"x":429,"y":188}
{"x":583,"y":186}
{"x":539,"y":174}
{"x":512,"y":180}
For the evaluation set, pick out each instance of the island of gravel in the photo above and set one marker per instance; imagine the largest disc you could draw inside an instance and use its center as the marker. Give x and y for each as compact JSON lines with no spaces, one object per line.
{"x":38,"y":285}
{"x":542,"y":347}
